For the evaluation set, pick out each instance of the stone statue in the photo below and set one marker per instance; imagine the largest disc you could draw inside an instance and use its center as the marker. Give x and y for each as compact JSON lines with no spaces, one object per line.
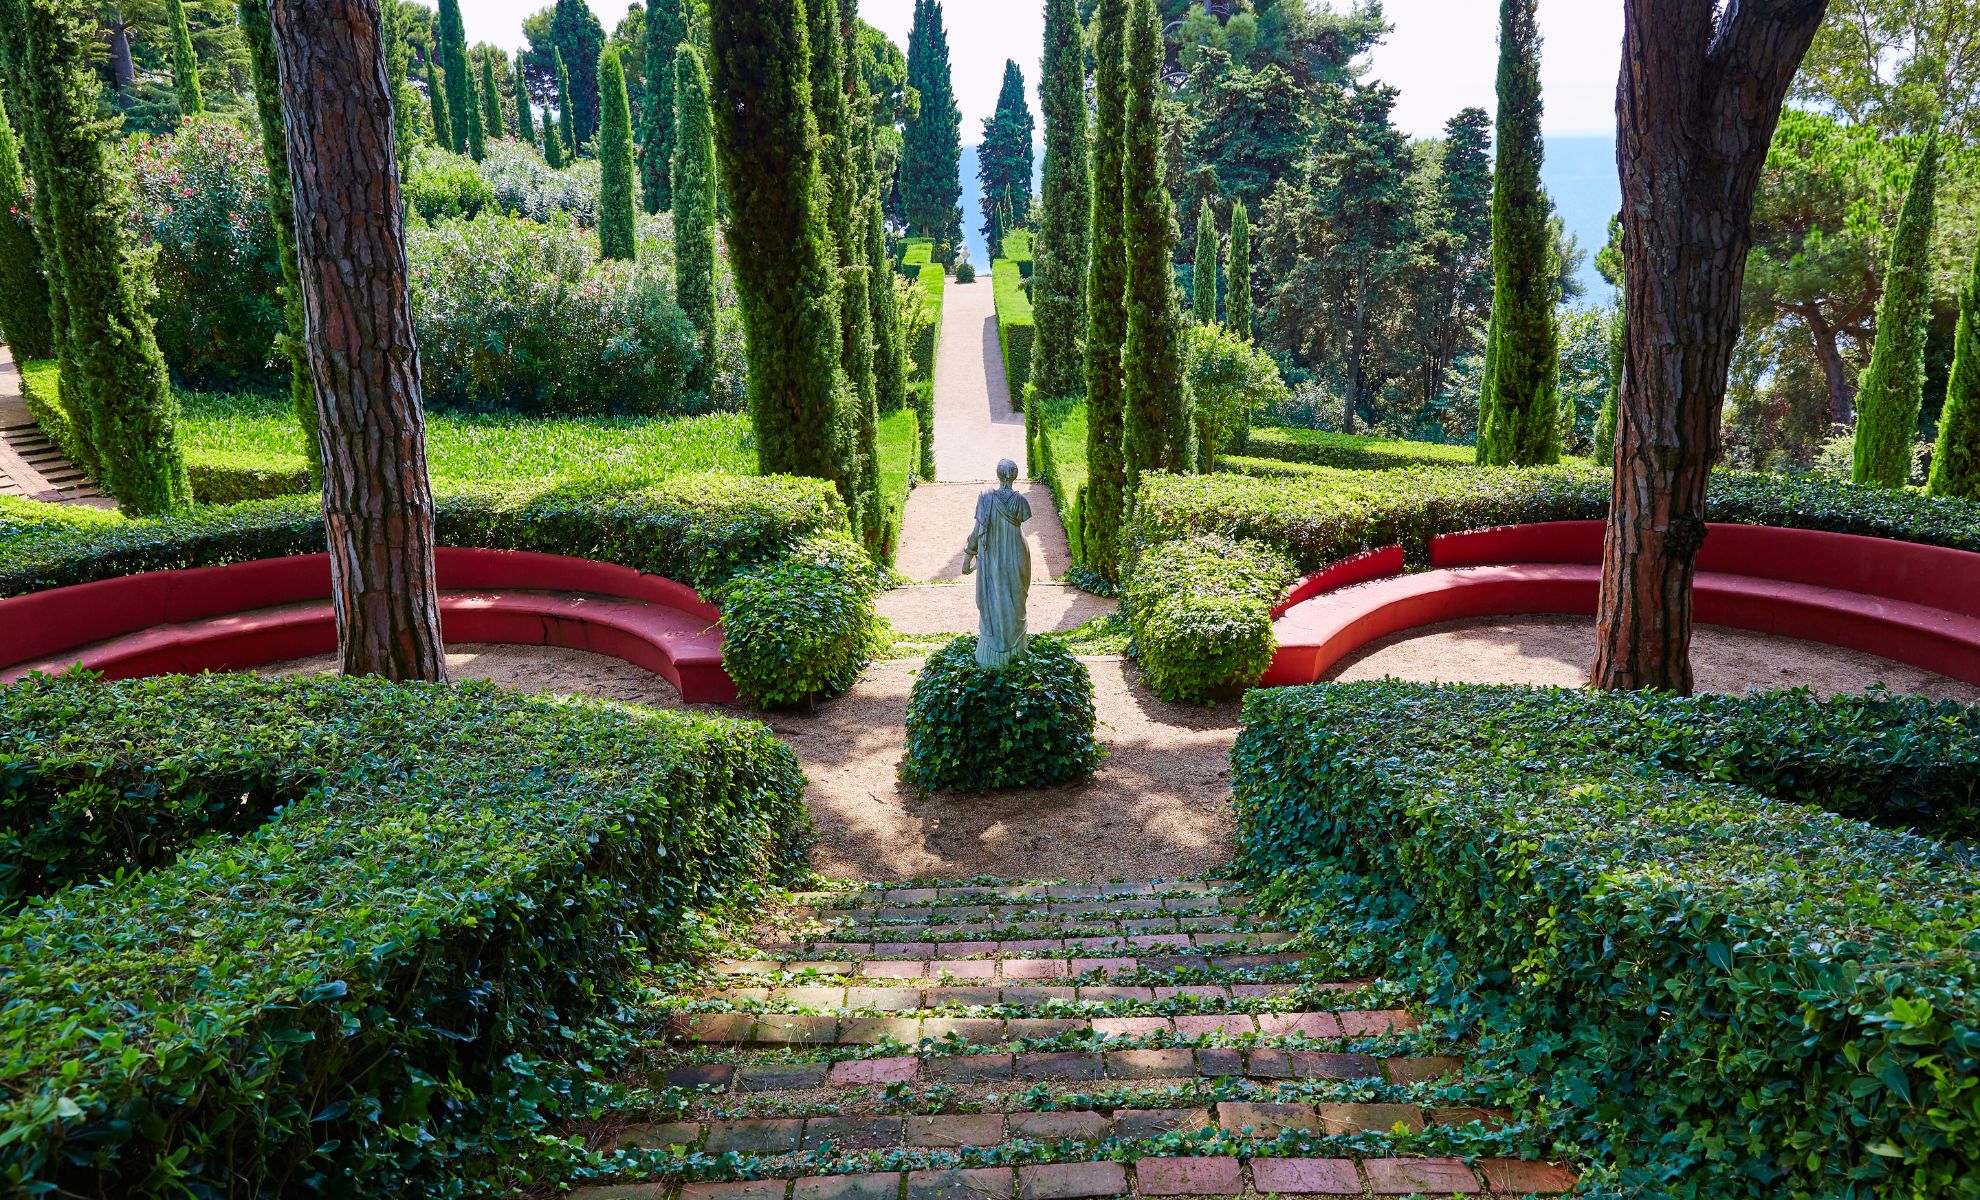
{"x":1005,"y":581}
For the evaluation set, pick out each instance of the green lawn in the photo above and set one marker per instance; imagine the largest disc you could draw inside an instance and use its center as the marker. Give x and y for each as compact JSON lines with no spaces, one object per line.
{"x":1062,"y":450}
{"x":900,"y":452}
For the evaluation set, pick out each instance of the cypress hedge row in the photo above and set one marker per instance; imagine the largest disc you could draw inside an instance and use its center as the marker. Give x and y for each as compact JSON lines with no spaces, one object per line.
{"x":1058,"y":289}
{"x":24,"y":316}
{"x":1156,"y":400}
{"x":1106,"y":300}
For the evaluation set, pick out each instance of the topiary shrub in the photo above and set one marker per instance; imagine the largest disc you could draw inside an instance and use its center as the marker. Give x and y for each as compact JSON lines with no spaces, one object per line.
{"x":1202,"y":614}
{"x":965,"y":273}
{"x":1030,"y":725}
{"x":800,"y":628}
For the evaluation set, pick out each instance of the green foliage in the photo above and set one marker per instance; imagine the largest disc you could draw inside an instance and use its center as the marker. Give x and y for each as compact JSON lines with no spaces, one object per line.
{"x":801,"y":627}
{"x":24,"y":317}
{"x":491,"y":100}
{"x":890,"y":351}
{"x":447,"y":187}
{"x":185,"y":67}
{"x":463,"y":107}
{"x":1058,"y":289}
{"x":1016,"y":327}
{"x":1006,"y":158}
{"x":1029,"y":725}
{"x":1152,"y":357}
{"x":1202,"y":615}
{"x":1956,"y":458}
{"x":1203,"y":274}
{"x":1349,"y":451}
{"x":1058,"y":447}
{"x":1517,"y":412}
{"x":691,"y":194}
{"x":1229,"y":380}
{"x":499,"y":861}
{"x":965,"y":272}
{"x":1642,"y":897}
{"x":921,"y":327}
{"x":930,"y":179}
{"x":1105,"y":502}
{"x":567,"y":126}
{"x":616,"y":202}
{"x":123,"y":407}
{"x":525,"y":119}
{"x":527,"y":186}
{"x":666,"y":33}
{"x":1893,"y":386}
{"x":526,"y":317}
{"x":1237,"y":281}
{"x":436,"y":96}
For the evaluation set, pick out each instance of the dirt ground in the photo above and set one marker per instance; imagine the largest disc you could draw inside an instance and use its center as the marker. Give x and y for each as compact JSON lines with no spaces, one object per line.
{"x":1160,"y":805}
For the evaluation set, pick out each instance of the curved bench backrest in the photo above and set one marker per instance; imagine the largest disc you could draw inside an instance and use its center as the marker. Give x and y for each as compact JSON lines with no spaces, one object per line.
{"x":1542,"y":542}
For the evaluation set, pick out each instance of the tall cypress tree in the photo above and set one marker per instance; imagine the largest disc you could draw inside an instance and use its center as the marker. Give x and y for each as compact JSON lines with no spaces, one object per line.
{"x":1519,"y":408}
{"x":1237,"y":276}
{"x":491,"y":99}
{"x":1156,"y":399}
{"x":266,"y":74}
{"x":692,"y":189}
{"x":450,"y":37}
{"x":15,"y":64}
{"x":185,"y":66}
{"x":616,"y":203}
{"x":566,"y":120}
{"x":1106,"y":299}
{"x":834,"y":77}
{"x":1956,"y":458}
{"x":436,"y":98}
{"x":931,"y":157}
{"x":24,"y":319}
{"x":767,"y":150}
{"x":398,"y":65}
{"x":666,"y":29}
{"x":525,"y":121}
{"x":553,"y":145}
{"x":883,"y":312}
{"x":1058,"y":281}
{"x":579,"y":39}
{"x":1004,"y":160}
{"x":1203,"y":274}
{"x":111,"y":366}
{"x":1893,"y":385}
{"x":477,"y":136}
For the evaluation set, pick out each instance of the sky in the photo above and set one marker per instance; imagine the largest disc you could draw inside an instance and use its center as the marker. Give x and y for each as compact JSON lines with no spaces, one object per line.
{"x":1442,"y":54}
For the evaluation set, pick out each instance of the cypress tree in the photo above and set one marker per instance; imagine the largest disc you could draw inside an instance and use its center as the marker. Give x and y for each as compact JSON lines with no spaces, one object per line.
{"x":185,"y":67}
{"x":491,"y":99}
{"x":566,"y":120}
{"x":450,"y":38}
{"x":1956,"y":458}
{"x":579,"y":38}
{"x":1519,"y":408}
{"x":553,"y":146}
{"x":477,"y":143}
{"x":24,"y":320}
{"x":1203,"y":275}
{"x":1004,"y":161}
{"x":767,"y":151}
{"x":692,"y":189}
{"x":931,"y":156}
{"x":1106,"y":299}
{"x":616,"y":203}
{"x":398,"y":64}
{"x":833,"y":79}
{"x":666,"y":30}
{"x":436,"y":98}
{"x":112,"y":371}
{"x":1058,"y":281}
{"x":1893,"y":384}
{"x":1156,"y":399}
{"x":266,"y":73}
{"x":525,"y":122}
{"x":1237,"y":276}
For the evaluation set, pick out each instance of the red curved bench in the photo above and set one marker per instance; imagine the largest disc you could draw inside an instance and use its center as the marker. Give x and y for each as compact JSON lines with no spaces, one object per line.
{"x":247,"y":614}
{"x":1898,"y":600}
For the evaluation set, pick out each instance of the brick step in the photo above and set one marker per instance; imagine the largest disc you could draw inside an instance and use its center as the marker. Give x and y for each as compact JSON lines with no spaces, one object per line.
{"x":1266,"y":1066}
{"x":998,"y":930}
{"x":1195,"y":904}
{"x":1072,"y":969}
{"x":1115,"y":1000}
{"x":780,"y":1029}
{"x":1172,"y":943}
{"x":971,"y":893}
{"x":1145,"y":1176}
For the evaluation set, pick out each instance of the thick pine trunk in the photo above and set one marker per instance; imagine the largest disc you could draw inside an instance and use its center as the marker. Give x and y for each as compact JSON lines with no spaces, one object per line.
{"x":350,"y":246}
{"x":1696,"y":107}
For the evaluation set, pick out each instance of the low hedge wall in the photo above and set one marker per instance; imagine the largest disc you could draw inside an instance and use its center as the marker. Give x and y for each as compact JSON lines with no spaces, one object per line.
{"x":921,"y":389}
{"x":1353,"y":451}
{"x":1324,"y":515}
{"x":368,"y":992}
{"x":760,"y":548}
{"x":1740,"y":994}
{"x":1015,"y":328}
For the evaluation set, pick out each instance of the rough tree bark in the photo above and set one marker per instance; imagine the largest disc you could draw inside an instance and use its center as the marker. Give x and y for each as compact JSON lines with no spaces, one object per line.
{"x":350,"y":246}
{"x":1696,"y":107}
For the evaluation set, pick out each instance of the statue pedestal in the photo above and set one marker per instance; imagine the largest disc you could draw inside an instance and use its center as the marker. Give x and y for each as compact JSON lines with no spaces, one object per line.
{"x":1027,"y":725}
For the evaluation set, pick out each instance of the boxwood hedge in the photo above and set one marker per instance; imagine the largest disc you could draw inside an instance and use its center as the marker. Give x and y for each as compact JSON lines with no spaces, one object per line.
{"x":704,"y":530}
{"x":1641,"y":900}
{"x":1353,"y":451}
{"x":1323,"y":515}
{"x":1203,"y":615}
{"x":352,"y":982}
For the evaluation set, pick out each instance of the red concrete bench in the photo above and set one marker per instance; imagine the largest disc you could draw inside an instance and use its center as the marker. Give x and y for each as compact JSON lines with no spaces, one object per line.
{"x":247,"y":614}
{"x":1913,"y":604}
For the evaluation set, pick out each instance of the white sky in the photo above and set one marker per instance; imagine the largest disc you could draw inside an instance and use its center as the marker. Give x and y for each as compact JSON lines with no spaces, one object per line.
{"x":1442,"y":54}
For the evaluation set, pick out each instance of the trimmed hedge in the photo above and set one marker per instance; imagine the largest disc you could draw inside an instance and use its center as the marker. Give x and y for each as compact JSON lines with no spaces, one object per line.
{"x":1029,"y":725}
{"x":368,"y":991}
{"x":921,"y":388}
{"x":1056,"y":430}
{"x":916,"y":253}
{"x":703,"y":530}
{"x":1015,"y":328}
{"x":1319,"y":448}
{"x":1742,"y":995}
{"x":1203,"y":616}
{"x":1323,"y":515}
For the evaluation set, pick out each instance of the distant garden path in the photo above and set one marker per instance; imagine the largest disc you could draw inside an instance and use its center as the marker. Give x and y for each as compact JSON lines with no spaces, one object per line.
{"x":975,"y":428}
{"x":30,"y":466}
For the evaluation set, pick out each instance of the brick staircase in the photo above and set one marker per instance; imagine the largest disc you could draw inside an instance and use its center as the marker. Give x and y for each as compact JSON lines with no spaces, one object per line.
{"x":1033,"y":1042}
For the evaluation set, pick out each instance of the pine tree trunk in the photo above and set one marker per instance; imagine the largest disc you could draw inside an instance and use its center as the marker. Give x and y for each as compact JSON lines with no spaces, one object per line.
{"x":350,"y":242}
{"x":1842,"y":389}
{"x":1697,"y":107}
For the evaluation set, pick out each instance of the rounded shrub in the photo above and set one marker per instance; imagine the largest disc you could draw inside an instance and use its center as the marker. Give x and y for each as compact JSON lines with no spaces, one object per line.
{"x":1202,"y":614}
{"x":1029,"y":725}
{"x":444,"y":186}
{"x":802,"y":627}
{"x":965,"y":273}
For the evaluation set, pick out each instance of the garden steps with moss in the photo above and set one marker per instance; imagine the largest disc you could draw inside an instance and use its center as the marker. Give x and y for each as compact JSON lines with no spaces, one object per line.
{"x":1101,"y":1065}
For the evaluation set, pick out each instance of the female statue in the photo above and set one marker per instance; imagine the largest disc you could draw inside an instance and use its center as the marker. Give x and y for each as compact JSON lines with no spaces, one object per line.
{"x":1001,"y":587}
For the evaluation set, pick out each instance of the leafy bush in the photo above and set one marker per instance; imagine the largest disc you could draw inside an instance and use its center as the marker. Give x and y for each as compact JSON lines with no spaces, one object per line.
{"x":1229,"y":379}
{"x":1322,"y":449}
{"x":1202,"y":616}
{"x":801,"y":627}
{"x":373,"y":987}
{"x":199,"y":201}
{"x":443,"y":186}
{"x":526,"y":186}
{"x":965,"y":273}
{"x":1029,"y":725}
{"x":1745,"y":996}
{"x":1016,"y":329}
{"x":522,"y":316}
{"x":921,"y":330}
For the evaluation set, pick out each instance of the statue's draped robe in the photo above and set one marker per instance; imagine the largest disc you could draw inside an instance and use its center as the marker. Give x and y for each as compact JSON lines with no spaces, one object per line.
{"x":1003,"y":576}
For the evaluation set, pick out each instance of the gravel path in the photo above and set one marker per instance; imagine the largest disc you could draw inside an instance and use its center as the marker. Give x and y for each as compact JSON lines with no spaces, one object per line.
{"x":975,"y":425}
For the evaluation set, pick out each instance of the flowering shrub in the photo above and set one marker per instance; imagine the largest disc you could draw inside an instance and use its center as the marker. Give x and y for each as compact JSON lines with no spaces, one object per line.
{"x":523,"y":316}
{"x":199,"y":201}
{"x":525,"y":186}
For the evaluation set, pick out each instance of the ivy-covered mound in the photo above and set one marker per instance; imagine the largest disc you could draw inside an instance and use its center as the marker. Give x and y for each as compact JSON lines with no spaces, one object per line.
{"x":275,"y":938}
{"x":772,"y":553}
{"x":1029,"y":725}
{"x":1643,"y":899}
{"x":1324,"y":515}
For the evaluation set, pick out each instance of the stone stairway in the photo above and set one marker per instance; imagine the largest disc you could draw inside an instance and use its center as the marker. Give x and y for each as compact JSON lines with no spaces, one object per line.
{"x":1034,"y":1042}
